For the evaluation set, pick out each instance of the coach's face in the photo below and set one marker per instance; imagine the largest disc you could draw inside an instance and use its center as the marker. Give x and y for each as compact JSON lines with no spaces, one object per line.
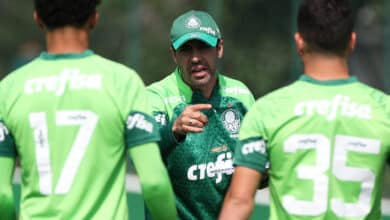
{"x":197,"y":62}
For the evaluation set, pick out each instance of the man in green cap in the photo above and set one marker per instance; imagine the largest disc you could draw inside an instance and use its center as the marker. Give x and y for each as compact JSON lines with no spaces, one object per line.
{"x":200,"y":112}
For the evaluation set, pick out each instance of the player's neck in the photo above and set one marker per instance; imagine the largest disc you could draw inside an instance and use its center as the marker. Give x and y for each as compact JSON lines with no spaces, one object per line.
{"x":322,"y":67}
{"x":67,"y":40}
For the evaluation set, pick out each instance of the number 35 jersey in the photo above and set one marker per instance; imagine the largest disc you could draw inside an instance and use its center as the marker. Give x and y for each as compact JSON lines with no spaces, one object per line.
{"x":67,"y":114}
{"x":327,"y":143}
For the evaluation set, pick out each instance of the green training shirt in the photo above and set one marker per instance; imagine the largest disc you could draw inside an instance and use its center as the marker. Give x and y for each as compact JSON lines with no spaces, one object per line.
{"x":72,"y":117}
{"x":327,"y":143}
{"x":201,"y":166}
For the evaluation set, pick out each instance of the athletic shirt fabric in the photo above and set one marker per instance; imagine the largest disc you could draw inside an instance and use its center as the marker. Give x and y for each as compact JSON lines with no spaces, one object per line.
{"x":327,"y":143}
{"x":72,"y":118}
{"x":200,"y":167}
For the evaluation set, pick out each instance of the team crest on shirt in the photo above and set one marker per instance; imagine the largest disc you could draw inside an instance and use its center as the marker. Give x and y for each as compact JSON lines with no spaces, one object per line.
{"x":231,"y":120}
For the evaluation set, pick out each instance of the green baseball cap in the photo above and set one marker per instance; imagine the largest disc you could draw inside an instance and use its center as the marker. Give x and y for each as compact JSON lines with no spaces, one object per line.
{"x":192,"y":25}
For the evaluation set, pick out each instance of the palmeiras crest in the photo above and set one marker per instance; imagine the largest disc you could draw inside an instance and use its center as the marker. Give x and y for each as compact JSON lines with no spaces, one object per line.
{"x":231,"y":120}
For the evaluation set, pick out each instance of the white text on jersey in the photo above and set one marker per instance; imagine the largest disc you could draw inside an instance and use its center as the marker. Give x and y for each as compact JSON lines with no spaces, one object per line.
{"x":67,"y":79}
{"x":251,"y":147}
{"x":138,"y":121}
{"x":223,"y":165}
{"x":3,"y":131}
{"x":330,"y":108}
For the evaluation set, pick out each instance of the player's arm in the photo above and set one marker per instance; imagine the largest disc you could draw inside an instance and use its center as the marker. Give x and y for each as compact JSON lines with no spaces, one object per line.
{"x":239,"y":200}
{"x":251,"y":163}
{"x":7,"y":208}
{"x":156,"y":186}
{"x":7,"y":164}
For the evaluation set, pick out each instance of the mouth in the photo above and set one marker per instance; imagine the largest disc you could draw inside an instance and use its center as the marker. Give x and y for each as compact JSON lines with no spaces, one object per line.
{"x":199,"y":71}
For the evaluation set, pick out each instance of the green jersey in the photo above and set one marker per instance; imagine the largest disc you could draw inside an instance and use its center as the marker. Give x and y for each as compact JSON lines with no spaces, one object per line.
{"x":72,"y":117}
{"x":326,"y":142}
{"x":201,"y":166}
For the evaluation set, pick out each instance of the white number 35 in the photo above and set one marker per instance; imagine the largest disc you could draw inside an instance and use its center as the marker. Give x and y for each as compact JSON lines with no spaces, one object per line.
{"x":318,"y":174}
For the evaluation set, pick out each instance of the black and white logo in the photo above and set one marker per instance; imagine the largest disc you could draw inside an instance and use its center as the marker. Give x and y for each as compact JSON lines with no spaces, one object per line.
{"x":193,"y":22}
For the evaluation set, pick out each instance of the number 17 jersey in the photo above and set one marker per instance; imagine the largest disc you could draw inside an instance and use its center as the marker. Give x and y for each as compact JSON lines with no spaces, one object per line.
{"x":67,"y":114}
{"x":326,"y":142}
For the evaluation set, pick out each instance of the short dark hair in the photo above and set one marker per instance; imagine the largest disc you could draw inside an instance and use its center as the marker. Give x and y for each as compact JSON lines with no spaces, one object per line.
{"x":60,"y":13}
{"x":326,"y":25}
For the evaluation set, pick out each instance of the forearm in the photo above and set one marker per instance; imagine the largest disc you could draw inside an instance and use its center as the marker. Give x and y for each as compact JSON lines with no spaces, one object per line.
{"x":236,"y":208}
{"x":155,"y":183}
{"x":7,"y":208}
{"x":159,"y":199}
{"x":239,"y":199}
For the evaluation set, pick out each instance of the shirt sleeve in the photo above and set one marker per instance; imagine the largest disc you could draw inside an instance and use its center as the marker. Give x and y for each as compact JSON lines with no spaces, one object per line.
{"x":7,"y":144}
{"x":252,"y":148}
{"x":141,"y":127}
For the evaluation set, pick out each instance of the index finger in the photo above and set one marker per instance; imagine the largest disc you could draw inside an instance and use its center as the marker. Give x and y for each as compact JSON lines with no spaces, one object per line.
{"x":198,"y":107}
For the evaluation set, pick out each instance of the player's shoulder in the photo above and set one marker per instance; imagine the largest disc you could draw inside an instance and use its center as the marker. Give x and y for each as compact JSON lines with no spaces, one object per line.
{"x":167,"y":85}
{"x":230,"y":82}
{"x":15,"y":77}
{"x":113,"y":68}
{"x":280,"y":94}
{"x":376,"y":96}
{"x":233,"y":87}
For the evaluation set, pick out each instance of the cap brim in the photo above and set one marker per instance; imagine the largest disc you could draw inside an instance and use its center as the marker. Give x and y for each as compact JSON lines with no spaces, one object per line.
{"x":208,"y":39}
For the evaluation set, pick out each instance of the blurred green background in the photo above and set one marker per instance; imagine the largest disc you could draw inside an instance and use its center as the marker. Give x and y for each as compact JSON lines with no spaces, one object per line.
{"x":259,"y":47}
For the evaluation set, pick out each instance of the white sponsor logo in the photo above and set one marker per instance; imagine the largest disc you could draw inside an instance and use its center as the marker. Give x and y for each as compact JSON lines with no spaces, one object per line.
{"x":161,"y":118}
{"x":3,"y":131}
{"x":68,"y":79}
{"x":223,"y":165}
{"x":208,"y":30}
{"x":338,"y":106}
{"x":194,"y":22}
{"x":256,"y":146}
{"x":236,"y":91}
{"x":138,"y":121}
{"x":174,"y":99}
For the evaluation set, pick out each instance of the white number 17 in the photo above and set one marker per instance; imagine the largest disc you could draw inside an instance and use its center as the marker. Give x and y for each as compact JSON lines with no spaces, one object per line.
{"x":87,"y":121}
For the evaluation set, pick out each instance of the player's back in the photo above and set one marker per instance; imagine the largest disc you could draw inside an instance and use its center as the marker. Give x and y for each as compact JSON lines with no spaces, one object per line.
{"x":327,"y":144}
{"x":67,"y":115}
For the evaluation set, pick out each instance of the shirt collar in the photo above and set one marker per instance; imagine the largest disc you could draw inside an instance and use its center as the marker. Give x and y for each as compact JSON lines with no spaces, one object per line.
{"x":54,"y":56}
{"x":306,"y":78}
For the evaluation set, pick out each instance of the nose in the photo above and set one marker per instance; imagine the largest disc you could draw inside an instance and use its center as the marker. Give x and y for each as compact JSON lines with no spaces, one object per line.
{"x":196,"y":56}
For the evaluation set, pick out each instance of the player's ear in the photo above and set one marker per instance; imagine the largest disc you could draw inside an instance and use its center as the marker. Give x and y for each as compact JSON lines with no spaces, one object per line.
{"x":93,"y":20}
{"x":300,"y":43}
{"x":220,"y":48}
{"x":352,"y":42}
{"x":173,"y":54}
{"x":37,"y":19}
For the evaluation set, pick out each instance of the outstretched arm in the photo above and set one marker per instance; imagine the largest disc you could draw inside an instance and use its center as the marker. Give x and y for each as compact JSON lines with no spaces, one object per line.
{"x":7,"y":208}
{"x":156,"y":186}
{"x":239,"y":200}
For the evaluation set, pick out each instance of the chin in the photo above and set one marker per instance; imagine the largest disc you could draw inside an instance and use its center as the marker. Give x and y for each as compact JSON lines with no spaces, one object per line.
{"x":200,"y":83}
